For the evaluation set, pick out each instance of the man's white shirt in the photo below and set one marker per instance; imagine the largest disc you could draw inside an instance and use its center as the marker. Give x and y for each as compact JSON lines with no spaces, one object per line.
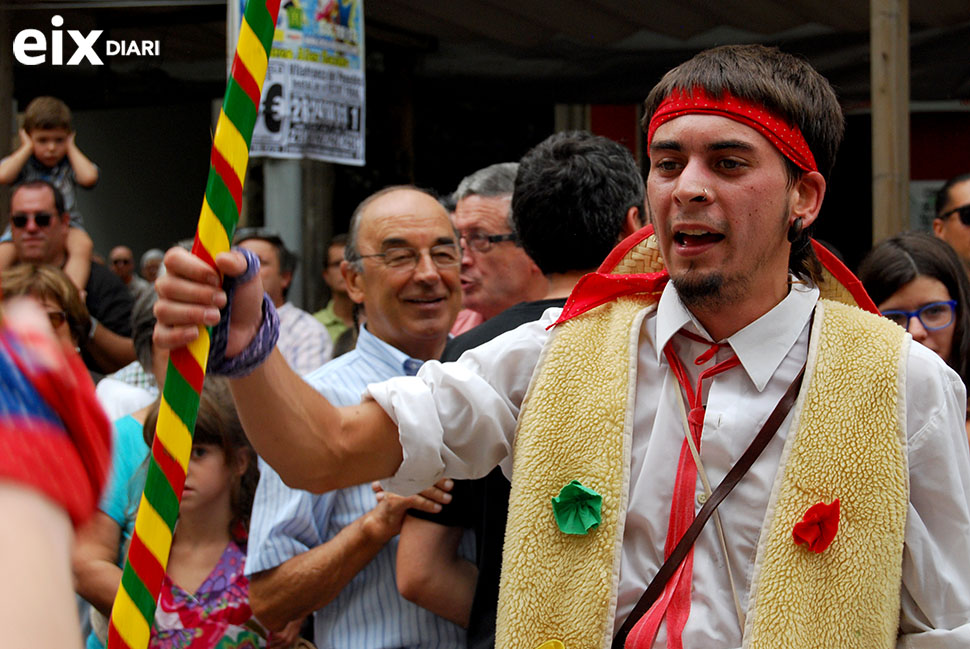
{"x":458,"y":420}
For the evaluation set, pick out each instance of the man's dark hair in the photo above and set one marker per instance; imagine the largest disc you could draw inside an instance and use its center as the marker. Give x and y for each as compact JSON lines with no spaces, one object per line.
{"x":572,"y":194}
{"x":286,"y":258}
{"x":40,"y":182}
{"x":338,"y":240}
{"x":943,"y":195}
{"x":897,"y":261}
{"x":784,"y":84}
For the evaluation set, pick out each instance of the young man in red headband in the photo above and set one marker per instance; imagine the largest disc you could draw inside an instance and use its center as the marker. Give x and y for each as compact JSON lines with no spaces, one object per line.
{"x":650,"y":399}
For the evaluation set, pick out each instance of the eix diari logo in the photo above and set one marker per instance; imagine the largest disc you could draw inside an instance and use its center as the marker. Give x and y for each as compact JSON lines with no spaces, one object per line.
{"x":30,"y":46}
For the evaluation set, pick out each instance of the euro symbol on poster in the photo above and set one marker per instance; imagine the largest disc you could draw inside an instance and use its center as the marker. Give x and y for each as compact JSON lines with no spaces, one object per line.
{"x":274,"y":108}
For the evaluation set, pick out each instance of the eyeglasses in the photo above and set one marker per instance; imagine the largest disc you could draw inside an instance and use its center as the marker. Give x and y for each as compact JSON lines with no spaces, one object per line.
{"x":445,"y":256}
{"x":42,"y":219}
{"x":483,"y":242}
{"x":933,"y":316}
{"x":57,"y":318}
{"x":963,"y":211}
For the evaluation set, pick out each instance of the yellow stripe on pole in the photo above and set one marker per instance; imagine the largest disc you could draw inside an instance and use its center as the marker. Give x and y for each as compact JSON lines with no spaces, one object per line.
{"x":232,"y":145}
{"x":135,"y":632}
{"x":173,"y":435}
{"x":251,"y":52}
{"x":199,"y":348}
{"x":212,"y":233}
{"x":153,"y":532}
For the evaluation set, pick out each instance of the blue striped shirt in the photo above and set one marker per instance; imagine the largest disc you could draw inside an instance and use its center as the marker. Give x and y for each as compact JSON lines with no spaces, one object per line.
{"x":369,"y":613}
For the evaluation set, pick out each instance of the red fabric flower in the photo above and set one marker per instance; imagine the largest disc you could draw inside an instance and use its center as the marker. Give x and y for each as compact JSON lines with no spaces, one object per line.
{"x":818,"y":526}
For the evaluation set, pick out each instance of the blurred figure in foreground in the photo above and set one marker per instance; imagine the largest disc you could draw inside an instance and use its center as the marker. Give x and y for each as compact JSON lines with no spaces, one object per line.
{"x":55,"y":442}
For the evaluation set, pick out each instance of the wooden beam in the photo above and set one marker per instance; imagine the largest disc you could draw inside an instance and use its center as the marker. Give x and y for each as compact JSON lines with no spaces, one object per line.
{"x":889,"y":44}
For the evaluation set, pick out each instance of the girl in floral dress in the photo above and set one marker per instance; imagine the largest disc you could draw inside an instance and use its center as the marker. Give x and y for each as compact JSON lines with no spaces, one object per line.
{"x":204,"y":602}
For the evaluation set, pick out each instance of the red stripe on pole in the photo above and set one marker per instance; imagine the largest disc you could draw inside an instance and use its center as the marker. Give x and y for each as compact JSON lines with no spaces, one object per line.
{"x":199,"y":250}
{"x":244,"y":78}
{"x":171,"y":468}
{"x":185,"y":363}
{"x":114,"y":638}
{"x":228,"y":176}
{"x":144,"y":562}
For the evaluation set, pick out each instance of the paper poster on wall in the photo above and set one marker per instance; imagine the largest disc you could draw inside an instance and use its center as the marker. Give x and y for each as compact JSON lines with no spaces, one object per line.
{"x":313,"y":96}
{"x":922,"y":203}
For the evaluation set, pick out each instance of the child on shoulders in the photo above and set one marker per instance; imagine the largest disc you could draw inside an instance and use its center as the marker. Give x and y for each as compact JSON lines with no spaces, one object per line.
{"x":48,"y":151}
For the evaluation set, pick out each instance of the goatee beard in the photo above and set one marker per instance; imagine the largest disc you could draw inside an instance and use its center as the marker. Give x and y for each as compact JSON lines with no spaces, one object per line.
{"x":702,"y":291}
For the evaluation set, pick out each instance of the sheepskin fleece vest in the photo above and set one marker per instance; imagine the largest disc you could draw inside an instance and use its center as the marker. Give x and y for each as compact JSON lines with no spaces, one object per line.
{"x":847,"y":441}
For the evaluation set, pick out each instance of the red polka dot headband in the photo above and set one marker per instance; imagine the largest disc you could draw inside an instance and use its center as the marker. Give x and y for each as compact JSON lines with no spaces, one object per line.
{"x":786,"y":138}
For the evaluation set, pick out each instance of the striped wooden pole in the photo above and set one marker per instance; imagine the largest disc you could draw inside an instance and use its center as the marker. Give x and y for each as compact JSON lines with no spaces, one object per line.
{"x":134,"y":607}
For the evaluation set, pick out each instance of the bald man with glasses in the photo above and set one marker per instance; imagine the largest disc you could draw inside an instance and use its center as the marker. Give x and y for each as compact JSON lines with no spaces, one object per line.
{"x":333,"y":554}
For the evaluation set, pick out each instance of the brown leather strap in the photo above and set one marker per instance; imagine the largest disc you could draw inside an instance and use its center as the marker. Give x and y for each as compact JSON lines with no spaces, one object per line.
{"x":727,"y":484}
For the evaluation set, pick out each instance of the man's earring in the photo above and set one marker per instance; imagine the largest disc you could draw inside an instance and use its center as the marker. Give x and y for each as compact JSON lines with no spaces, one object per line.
{"x":795,"y":230}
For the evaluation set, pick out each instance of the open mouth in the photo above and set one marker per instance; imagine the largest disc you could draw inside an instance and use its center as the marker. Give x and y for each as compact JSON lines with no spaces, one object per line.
{"x":696,"y":237}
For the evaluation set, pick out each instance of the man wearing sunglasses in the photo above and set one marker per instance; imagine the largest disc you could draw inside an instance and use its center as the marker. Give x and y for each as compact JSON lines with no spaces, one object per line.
{"x":39,"y":227}
{"x":952,"y":222}
{"x":122,"y":261}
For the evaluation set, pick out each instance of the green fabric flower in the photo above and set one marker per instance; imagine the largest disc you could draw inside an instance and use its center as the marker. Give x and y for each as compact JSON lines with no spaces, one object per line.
{"x":577,"y":509}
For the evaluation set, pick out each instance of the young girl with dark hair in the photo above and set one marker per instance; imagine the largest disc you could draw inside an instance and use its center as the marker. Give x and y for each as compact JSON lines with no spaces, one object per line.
{"x":204,"y":603}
